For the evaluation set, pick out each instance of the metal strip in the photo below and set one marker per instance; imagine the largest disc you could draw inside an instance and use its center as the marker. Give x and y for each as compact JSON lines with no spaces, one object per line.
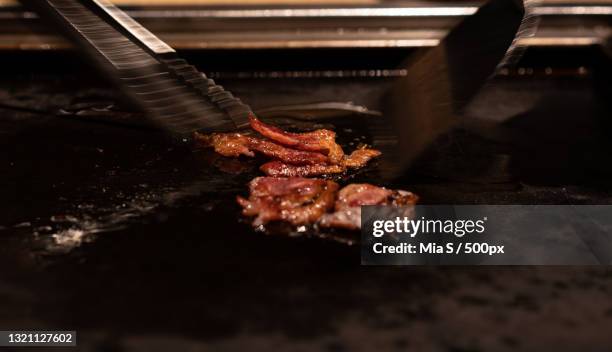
{"x":450,"y":11}
{"x":135,"y":29}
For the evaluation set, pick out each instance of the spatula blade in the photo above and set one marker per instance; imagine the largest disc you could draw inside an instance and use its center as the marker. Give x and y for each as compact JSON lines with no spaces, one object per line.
{"x":442,"y":80}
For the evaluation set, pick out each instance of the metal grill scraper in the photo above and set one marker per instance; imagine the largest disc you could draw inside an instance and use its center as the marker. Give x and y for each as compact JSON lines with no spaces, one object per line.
{"x":173,"y":93}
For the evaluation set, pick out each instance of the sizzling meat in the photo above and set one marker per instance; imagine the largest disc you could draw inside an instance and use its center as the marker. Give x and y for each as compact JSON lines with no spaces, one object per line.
{"x":286,"y":195}
{"x":296,"y":200}
{"x":294,"y":154}
{"x":360,"y":157}
{"x":236,"y":144}
{"x":347,"y":209}
{"x":355,"y":160}
{"x":303,"y":201}
{"x":279,"y":169}
{"x":322,"y":140}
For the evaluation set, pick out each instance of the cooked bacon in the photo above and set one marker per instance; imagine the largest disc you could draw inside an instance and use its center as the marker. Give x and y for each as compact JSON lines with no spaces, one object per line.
{"x":321,"y":140}
{"x":236,"y":144}
{"x":226,"y":144}
{"x":312,"y":212}
{"x":401,"y":198}
{"x":355,"y":160}
{"x":360,"y":157}
{"x":347,"y":209}
{"x":295,"y":154}
{"x":287,"y":196}
{"x":279,"y":169}
{"x":275,"y":186}
{"x":265,"y":190}
{"x":303,"y":201}
{"x":297,"y":201}
{"x":358,"y":194}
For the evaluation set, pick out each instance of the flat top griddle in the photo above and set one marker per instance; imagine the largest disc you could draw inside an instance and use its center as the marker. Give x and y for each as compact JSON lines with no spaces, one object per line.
{"x":114,"y":230}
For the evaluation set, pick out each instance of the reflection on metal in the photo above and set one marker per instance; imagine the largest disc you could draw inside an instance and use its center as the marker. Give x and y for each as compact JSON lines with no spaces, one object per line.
{"x":527,"y":29}
{"x":573,"y":10}
{"x":311,"y":13}
{"x":133,"y":27}
{"x":360,"y":12}
{"x":563,"y":24}
{"x":575,"y":41}
{"x":289,"y":44}
{"x":53,"y":43}
{"x":448,"y":11}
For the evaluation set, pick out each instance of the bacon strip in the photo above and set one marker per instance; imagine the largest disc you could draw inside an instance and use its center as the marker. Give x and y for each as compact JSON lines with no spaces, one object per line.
{"x":298,"y":201}
{"x":360,"y":157}
{"x":312,"y":212}
{"x":294,"y":154}
{"x":279,"y":169}
{"x":355,"y":160}
{"x":303,"y":201}
{"x":236,"y":144}
{"x":347,"y":209}
{"x":271,"y":186}
{"x":358,"y":194}
{"x":226,"y":144}
{"x":321,"y":140}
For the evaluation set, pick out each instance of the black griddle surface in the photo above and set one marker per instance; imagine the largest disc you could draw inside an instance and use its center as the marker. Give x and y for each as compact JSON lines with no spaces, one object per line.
{"x":136,"y":242}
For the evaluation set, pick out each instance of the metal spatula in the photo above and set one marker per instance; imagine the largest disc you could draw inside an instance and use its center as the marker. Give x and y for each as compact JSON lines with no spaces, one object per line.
{"x":173,"y":93}
{"x":441,"y":81}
